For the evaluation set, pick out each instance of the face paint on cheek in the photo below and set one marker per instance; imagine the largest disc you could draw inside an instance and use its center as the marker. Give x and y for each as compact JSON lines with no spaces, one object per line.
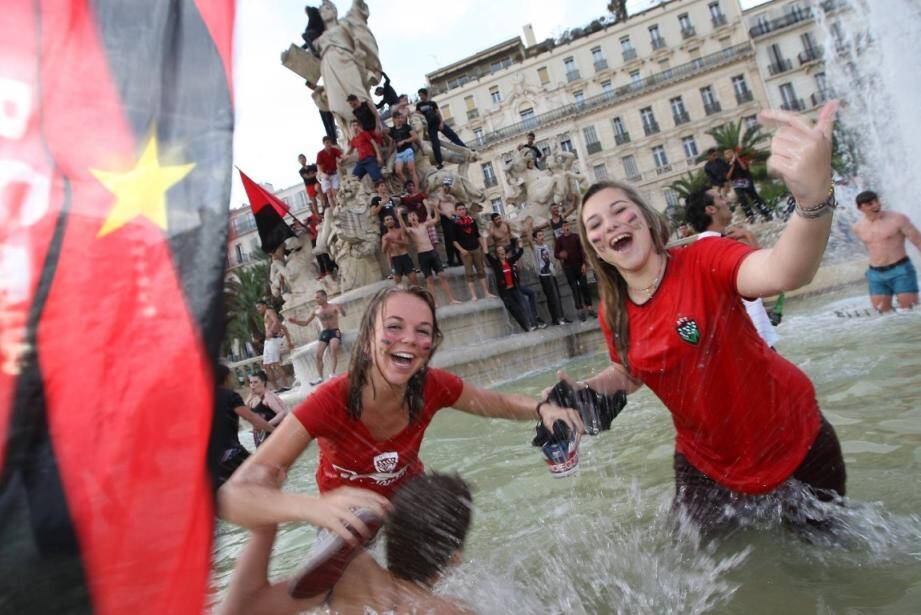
{"x":425,"y":345}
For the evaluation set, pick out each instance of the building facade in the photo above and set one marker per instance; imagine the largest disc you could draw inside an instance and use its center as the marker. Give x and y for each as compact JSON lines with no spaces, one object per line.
{"x":633,"y":100}
{"x":243,"y":240}
{"x":790,"y":48}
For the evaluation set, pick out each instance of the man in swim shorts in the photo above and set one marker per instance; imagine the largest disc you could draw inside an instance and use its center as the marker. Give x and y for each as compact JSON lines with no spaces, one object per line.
{"x":425,"y":534}
{"x":327,"y":314}
{"x":271,"y":349}
{"x":891,"y":272}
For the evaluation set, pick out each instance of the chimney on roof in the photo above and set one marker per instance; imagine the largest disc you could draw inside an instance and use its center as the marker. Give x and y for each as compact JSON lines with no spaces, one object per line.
{"x":529,"y":40}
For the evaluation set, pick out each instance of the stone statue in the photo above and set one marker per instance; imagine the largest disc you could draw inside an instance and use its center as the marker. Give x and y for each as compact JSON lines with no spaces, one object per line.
{"x":292,"y":277}
{"x":532,"y":191}
{"x":431,"y":177}
{"x":349,"y":62}
{"x":352,"y":237}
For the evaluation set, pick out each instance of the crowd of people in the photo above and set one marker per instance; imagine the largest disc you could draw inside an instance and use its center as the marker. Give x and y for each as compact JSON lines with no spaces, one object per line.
{"x":684,"y":320}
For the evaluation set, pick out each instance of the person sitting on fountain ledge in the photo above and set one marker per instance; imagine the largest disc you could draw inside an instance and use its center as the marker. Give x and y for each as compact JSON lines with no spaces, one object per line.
{"x":328,"y":165}
{"x":429,"y":110}
{"x":402,"y":137}
{"x":369,"y":424}
{"x":327,"y":314}
{"x":708,"y":212}
{"x":471,"y":246}
{"x":749,"y":428}
{"x":425,"y":534}
{"x":369,"y":154}
{"x":891,"y":272}
{"x":366,"y":115}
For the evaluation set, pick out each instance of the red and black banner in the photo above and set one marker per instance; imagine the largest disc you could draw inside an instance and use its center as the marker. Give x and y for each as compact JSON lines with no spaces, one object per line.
{"x":269,"y":212}
{"x":116,"y":127}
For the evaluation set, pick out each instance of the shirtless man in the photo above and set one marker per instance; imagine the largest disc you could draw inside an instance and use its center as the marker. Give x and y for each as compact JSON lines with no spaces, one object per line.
{"x":395,"y":246}
{"x":444,"y":203}
{"x":425,"y":533}
{"x":891,"y":272}
{"x":501,"y":233}
{"x":271,"y":352}
{"x":429,"y":263}
{"x":327,"y":314}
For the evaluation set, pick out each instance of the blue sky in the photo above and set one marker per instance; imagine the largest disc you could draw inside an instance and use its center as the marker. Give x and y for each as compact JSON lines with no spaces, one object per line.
{"x":276,"y":119}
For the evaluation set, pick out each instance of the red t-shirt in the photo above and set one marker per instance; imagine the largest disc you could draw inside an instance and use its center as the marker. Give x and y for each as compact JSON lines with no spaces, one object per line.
{"x":350,"y":456}
{"x":744,"y":415}
{"x":362,"y":143}
{"x":326,"y":161}
{"x":507,"y":273}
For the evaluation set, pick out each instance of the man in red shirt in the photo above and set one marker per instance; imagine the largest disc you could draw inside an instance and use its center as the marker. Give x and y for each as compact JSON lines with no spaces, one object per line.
{"x":369,"y":154}
{"x":568,"y":250}
{"x":328,"y":166}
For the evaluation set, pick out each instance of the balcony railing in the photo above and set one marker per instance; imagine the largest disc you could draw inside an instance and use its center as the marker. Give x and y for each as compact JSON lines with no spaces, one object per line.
{"x":621,"y":137}
{"x":658,"y":43}
{"x":718,"y":20}
{"x":490,"y":180}
{"x":635,"y":177}
{"x":681,"y":118}
{"x":632,"y":90}
{"x":793,"y":105}
{"x":662,"y":169}
{"x":593,"y":148}
{"x":712,"y":107}
{"x":819,"y":97}
{"x":780,"y":66}
{"x":473,"y":114}
{"x":745,"y":96}
{"x":787,"y":20}
{"x":650,"y":128}
{"x":810,"y":54}
{"x":688,"y":32}
{"x":629,"y":54}
{"x":601,"y":64}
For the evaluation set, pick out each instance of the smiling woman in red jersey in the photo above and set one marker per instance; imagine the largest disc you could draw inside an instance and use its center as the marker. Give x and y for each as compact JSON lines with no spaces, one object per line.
{"x":369,"y":423}
{"x":747,"y":420}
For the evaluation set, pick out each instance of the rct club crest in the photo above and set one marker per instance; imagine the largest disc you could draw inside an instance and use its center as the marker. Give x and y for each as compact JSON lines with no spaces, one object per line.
{"x":386,"y":462}
{"x":687,"y":330}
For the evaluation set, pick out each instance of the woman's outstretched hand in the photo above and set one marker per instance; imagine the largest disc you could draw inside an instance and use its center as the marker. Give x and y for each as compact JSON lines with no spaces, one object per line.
{"x":801,"y":152}
{"x":334,"y":511}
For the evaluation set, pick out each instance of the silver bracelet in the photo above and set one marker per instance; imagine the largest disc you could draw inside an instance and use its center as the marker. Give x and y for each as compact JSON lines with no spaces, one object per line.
{"x":817,"y":211}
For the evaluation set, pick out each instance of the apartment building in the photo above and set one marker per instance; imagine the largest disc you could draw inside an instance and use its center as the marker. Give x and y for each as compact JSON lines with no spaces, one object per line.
{"x":633,"y":101}
{"x":790,"y":48}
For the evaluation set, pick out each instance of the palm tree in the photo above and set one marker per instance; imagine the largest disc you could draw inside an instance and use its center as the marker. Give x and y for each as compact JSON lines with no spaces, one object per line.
{"x":689,"y":183}
{"x":242,"y":289}
{"x":750,"y":143}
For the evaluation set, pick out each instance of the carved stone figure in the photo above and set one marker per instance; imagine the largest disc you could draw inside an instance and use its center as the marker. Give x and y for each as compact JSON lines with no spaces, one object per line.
{"x":349,"y":62}
{"x":532,"y":191}
{"x":293,"y":277}
{"x":353,"y":238}
{"x":431,"y":177}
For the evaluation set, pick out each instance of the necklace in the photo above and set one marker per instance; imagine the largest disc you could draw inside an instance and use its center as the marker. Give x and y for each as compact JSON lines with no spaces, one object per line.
{"x":649,"y":290}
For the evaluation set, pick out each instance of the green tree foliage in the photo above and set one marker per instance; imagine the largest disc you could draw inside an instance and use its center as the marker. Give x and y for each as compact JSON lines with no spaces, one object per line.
{"x":242,"y":288}
{"x":619,"y":9}
{"x":690,"y":182}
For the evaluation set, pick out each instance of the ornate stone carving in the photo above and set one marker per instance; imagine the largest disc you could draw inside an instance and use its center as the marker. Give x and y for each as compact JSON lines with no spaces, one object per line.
{"x":352,"y":237}
{"x":532,"y":191}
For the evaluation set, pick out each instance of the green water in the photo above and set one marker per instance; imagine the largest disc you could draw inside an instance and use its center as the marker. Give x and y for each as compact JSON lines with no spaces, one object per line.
{"x":600,"y":542}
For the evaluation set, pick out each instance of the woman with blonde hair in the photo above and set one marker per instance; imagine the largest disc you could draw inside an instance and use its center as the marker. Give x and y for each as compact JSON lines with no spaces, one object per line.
{"x":747,"y":419}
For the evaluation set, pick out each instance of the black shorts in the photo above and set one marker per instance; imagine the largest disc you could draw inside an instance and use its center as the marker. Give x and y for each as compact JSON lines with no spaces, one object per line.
{"x":402,"y":264}
{"x":327,"y":334}
{"x":429,"y":263}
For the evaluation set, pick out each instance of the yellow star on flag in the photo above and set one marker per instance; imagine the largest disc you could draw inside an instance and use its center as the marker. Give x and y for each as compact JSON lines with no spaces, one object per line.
{"x":141,"y":191}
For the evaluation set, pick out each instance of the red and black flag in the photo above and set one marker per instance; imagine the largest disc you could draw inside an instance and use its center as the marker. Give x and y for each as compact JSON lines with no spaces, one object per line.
{"x":269,"y":212}
{"x":116,"y":129}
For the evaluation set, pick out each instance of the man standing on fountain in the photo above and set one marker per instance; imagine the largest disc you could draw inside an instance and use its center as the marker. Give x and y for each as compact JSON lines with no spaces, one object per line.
{"x":747,"y":419}
{"x":884,"y":234}
{"x":327,"y":314}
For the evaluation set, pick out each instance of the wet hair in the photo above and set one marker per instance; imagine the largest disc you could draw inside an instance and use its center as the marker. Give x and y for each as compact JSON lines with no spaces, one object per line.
{"x":611,"y":285}
{"x":865,"y":197}
{"x":220,"y":373}
{"x":351,"y":97}
{"x":362,"y":359}
{"x":695,"y":209}
{"x":261,"y":375}
{"x":423,"y":91}
{"x":427,"y":526}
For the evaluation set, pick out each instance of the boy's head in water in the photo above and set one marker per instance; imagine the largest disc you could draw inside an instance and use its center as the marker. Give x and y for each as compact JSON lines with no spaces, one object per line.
{"x":428,"y":526}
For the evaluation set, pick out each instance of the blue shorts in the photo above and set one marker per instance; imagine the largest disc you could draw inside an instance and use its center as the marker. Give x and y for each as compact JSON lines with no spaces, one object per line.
{"x":405,"y":157}
{"x":893,"y":280}
{"x":370,"y":167}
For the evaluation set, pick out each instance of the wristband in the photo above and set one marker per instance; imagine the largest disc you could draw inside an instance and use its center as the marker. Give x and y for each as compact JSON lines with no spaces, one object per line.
{"x":816,"y":211}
